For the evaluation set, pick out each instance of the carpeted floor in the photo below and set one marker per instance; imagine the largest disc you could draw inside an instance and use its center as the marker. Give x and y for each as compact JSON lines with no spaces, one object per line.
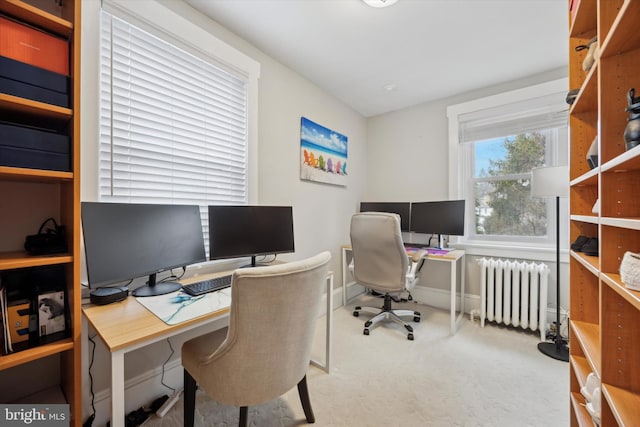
{"x":493,"y":376}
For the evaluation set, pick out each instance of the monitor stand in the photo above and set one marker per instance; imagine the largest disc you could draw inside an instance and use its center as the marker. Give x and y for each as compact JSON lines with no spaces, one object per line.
{"x":441,"y":241}
{"x":254,"y":263}
{"x":154,"y":288}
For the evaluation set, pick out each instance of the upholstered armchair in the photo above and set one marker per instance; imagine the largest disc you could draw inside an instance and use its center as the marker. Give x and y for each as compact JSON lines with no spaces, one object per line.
{"x":266,"y":349}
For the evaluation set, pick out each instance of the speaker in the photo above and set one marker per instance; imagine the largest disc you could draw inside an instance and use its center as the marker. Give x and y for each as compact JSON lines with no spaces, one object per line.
{"x":102,"y":296}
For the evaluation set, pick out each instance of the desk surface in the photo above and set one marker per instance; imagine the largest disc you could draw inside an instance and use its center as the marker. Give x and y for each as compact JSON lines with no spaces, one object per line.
{"x":126,"y":323}
{"x":454,"y":254}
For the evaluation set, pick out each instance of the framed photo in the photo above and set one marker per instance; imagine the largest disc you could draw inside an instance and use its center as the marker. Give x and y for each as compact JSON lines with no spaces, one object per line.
{"x":323,"y":154}
{"x":51,"y":313}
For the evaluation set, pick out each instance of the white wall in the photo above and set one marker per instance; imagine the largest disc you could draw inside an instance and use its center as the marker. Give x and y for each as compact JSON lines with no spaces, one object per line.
{"x":321,"y":212}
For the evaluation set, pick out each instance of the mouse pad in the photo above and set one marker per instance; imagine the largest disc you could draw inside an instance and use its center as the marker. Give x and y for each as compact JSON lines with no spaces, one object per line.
{"x":178,"y":306}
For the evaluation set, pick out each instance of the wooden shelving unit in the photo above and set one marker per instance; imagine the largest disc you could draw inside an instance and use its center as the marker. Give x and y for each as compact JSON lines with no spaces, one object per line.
{"x":63,"y":20}
{"x":604,"y":313}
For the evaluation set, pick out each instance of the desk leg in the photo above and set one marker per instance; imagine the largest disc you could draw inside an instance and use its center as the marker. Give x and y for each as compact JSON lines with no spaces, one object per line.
{"x":463,"y":269}
{"x":457,"y":318}
{"x":117,"y":389}
{"x":329,"y":328}
{"x":454,"y":282}
{"x":345,"y":271}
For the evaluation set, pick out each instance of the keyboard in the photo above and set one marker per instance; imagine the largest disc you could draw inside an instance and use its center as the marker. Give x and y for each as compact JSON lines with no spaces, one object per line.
{"x":211,"y":285}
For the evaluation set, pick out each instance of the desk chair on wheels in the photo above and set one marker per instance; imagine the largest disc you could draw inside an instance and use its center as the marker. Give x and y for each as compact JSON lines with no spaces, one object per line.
{"x":381,"y":263}
{"x":266,"y":349}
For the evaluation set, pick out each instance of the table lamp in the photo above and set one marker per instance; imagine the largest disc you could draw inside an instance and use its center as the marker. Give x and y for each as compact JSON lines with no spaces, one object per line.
{"x":553,"y":182}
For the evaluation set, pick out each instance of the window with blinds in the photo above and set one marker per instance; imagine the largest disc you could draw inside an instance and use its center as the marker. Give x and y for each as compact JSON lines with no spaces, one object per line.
{"x":173,"y":126}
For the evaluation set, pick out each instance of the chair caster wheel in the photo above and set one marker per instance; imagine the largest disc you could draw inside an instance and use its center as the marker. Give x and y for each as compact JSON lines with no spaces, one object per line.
{"x":358,"y":307}
{"x":408,"y":328}
{"x":416,"y":319}
{"x":416,"y":313}
{"x":410,"y":337}
{"x":356,"y":313}
{"x":367,"y":323}
{"x":365,"y":332}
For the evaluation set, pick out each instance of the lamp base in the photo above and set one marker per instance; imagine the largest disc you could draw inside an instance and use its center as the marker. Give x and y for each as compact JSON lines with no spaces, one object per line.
{"x":551,"y":349}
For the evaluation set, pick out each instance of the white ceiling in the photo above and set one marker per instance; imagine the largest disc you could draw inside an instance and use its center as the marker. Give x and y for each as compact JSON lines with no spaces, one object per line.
{"x":424,"y":49}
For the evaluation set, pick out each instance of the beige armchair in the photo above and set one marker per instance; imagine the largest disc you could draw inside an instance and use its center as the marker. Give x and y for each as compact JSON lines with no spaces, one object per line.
{"x":381,"y":263}
{"x":266,"y":349}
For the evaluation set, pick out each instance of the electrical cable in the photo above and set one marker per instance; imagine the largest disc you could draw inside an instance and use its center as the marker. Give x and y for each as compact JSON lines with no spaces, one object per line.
{"x":89,"y":420}
{"x":172,"y":277}
{"x":163,"y":368}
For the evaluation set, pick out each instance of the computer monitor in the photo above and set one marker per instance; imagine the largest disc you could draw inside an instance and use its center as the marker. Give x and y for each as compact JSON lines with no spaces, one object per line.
{"x":401,"y":208}
{"x":250,"y":231}
{"x":124,"y":241}
{"x":442,"y":218}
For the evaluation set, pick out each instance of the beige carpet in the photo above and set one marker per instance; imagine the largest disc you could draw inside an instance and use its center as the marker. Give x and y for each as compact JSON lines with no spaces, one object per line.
{"x":492,"y":376}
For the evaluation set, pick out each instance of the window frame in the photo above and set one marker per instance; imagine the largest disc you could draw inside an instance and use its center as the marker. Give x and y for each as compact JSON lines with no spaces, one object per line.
{"x":462,"y":169}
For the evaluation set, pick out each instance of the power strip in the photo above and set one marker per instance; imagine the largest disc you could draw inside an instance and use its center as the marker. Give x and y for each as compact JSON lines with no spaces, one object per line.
{"x":166,"y":406}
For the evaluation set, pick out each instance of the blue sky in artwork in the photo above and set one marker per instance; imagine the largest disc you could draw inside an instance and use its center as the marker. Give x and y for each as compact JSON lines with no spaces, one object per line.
{"x":313,"y":133}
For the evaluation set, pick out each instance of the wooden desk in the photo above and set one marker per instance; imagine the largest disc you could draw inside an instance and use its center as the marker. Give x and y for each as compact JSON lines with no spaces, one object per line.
{"x":452,"y":257}
{"x":127,"y":325}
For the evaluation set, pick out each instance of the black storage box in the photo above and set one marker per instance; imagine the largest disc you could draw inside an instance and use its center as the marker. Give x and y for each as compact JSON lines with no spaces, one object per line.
{"x":25,"y":147}
{"x":27,"y":81}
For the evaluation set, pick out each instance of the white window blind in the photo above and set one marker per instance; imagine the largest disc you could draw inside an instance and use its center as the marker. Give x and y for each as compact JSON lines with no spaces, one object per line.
{"x":532,"y":115}
{"x":173,"y":127}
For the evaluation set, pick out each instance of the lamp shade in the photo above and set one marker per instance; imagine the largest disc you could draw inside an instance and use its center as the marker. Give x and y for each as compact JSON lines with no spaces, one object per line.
{"x":550,"y":181}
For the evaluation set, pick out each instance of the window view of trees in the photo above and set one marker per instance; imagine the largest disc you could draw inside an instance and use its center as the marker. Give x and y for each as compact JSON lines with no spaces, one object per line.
{"x":504,"y":205}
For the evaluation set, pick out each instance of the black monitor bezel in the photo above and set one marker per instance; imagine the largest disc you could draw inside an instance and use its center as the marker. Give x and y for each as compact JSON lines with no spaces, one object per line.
{"x":96,"y":237}
{"x":286,"y":213}
{"x":448,"y":210}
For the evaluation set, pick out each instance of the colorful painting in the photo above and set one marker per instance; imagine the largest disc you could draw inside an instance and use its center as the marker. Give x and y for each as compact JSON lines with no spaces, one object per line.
{"x":323,"y":154}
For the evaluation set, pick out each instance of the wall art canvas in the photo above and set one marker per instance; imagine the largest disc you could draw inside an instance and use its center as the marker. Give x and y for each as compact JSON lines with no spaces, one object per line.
{"x":323,"y":154}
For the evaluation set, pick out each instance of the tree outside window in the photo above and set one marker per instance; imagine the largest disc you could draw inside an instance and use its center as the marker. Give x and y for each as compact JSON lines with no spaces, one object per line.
{"x":503,"y":204}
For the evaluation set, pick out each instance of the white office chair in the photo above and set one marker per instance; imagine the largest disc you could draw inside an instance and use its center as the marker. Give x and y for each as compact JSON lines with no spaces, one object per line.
{"x":381,"y":263}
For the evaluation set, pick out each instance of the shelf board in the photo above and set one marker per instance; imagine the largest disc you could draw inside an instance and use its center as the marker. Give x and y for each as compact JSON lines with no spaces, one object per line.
{"x":591,"y":263}
{"x":591,"y":219}
{"x":624,"y":35}
{"x":614,"y":282}
{"x":38,"y":175}
{"x":35,"y":16}
{"x":629,"y":160}
{"x":35,"y":353}
{"x":585,"y":18}
{"x":581,"y":368}
{"x":588,"y":336}
{"x":29,"y":106}
{"x":580,"y":410}
{"x":587,"y":99}
{"x":11,"y":260}
{"x":624,"y":404}
{"x":628,"y":223}
{"x":587,"y":179}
